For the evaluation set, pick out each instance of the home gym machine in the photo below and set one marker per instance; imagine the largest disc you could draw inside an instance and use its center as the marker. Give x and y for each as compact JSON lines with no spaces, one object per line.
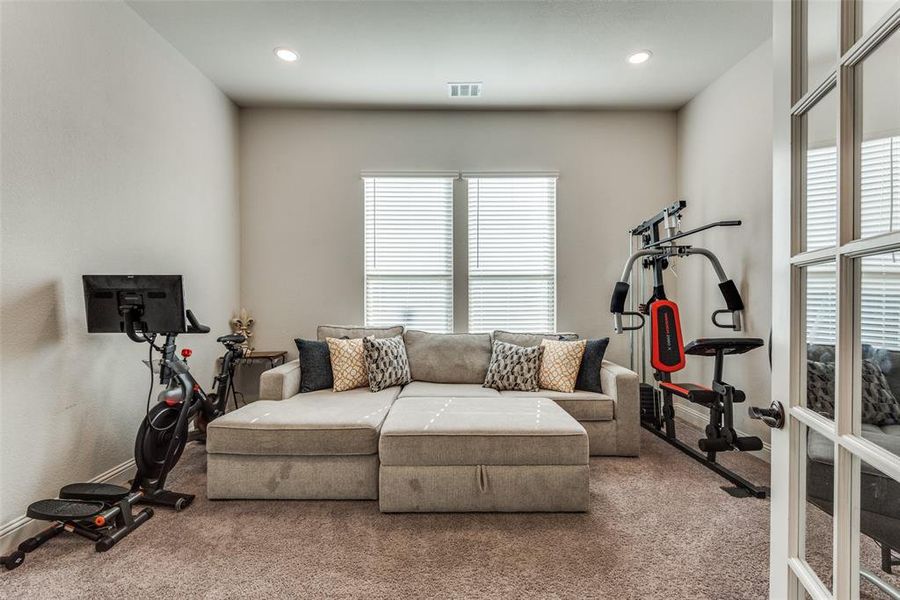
{"x":143,"y":307}
{"x":667,"y":351}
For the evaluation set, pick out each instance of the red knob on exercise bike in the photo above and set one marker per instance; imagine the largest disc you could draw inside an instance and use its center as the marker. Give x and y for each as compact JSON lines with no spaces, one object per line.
{"x":186,"y":352}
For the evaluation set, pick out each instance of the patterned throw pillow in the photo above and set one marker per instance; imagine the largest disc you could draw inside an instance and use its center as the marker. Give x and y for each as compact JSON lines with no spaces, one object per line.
{"x":820,"y":387}
{"x":514,"y":367}
{"x":560,"y":364}
{"x":348,"y":363}
{"x":879,"y":406}
{"x":386,"y":362}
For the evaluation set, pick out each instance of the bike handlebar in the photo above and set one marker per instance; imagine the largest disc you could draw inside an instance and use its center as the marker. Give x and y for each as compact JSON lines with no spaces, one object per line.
{"x":195,"y":326}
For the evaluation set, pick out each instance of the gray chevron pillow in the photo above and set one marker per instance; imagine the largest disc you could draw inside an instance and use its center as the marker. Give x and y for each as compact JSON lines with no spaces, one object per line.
{"x":386,"y":362}
{"x":514,"y":367}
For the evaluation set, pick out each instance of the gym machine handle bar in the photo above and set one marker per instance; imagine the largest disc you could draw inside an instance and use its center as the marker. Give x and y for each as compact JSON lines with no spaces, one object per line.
{"x":733,"y":301}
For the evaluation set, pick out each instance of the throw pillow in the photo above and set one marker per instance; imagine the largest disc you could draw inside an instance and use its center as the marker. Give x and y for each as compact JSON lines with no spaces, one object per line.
{"x":386,"y":362}
{"x":315,"y":366}
{"x":820,"y":387}
{"x":879,"y":406}
{"x":514,"y":367}
{"x":348,"y":363}
{"x":589,"y":373}
{"x":560,"y":364}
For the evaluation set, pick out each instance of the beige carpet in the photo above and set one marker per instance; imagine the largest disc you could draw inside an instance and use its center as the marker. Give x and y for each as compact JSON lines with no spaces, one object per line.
{"x":659,"y":527}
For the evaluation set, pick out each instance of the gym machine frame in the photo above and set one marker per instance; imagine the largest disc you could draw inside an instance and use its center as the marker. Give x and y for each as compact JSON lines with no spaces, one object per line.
{"x":668,"y":354}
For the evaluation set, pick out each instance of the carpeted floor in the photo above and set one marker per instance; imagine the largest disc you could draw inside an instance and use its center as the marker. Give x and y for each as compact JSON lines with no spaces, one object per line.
{"x":659,"y":527}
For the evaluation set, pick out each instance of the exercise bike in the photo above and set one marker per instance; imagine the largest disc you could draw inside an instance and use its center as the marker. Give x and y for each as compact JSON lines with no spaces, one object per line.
{"x":667,"y":350}
{"x":103,"y":513}
{"x":163,"y":434}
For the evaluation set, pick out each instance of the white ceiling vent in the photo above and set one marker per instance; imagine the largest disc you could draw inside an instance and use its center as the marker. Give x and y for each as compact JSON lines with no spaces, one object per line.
{"x":464,"y":89}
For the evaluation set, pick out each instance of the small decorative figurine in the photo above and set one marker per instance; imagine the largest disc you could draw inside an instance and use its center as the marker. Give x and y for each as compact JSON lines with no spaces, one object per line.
{"x":243,"y":324}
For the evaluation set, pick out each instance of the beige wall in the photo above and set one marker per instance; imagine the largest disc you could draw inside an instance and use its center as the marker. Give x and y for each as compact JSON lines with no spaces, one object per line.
{"x":302,"y":203}
{"x":117,"y":156}
{"x":725,"y":172}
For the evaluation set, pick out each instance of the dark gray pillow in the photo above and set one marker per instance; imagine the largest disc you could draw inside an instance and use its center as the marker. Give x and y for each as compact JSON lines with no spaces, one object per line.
{"x":315,"y":366}
{"x":514,"y":367}
{"x":589,"y":373}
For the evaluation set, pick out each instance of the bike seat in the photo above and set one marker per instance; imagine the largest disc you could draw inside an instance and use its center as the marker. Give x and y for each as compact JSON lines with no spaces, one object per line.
{"x":711,"y":346}
{"x":234,"y":338}
{"x":699,"y":394}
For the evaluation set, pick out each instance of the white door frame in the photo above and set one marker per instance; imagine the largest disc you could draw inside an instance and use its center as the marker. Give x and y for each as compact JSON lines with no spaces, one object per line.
{"x":790,"y":576}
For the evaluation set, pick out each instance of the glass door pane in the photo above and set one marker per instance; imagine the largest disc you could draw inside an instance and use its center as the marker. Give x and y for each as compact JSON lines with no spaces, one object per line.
{"x":878,"y":371}
{"x":878,"y":181}
{"x":819,"y":206}
{"x":879,"y":529}
{"x":820,"y":316}
{"x":821,"y":32}
{"x":871,"y":12}
{"x":818,"y":526}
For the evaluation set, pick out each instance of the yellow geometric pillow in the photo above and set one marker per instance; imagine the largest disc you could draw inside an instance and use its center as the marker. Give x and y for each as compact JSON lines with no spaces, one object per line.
{"x":560,"y":364}
{"x":348,"y":363}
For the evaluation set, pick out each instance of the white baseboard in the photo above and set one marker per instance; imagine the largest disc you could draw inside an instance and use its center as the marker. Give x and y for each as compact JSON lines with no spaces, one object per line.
{"x":12,"y":533}
{"x":700,"y":420}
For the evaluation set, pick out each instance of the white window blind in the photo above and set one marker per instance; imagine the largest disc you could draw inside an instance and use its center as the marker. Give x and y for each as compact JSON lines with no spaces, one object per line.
{"x":879,"y":205}
{"x":409,"y":252}
{"x":512,"y":253}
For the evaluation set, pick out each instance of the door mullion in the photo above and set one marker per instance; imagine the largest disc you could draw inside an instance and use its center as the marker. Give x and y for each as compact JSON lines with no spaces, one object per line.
{"x":846,"y":572}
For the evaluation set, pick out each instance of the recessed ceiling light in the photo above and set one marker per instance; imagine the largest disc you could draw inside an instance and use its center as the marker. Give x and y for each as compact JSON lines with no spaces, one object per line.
{"x":640,"y":57}
{"x":286,"y":54}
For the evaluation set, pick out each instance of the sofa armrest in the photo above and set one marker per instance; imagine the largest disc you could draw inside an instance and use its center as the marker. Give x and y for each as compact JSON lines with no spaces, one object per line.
{"x":622,"y":385}
{"x":281,"y":382}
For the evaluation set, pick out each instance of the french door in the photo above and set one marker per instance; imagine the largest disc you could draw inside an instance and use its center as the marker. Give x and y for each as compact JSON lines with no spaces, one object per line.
{"x":835,"y":526}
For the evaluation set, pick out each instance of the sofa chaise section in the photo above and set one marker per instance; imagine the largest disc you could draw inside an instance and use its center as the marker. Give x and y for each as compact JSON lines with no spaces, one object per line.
{"x":318,"y":445}
{"x":468,"y":454}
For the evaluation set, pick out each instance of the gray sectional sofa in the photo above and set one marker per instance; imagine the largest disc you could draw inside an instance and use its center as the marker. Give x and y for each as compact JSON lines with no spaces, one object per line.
{"x":440,"y":443}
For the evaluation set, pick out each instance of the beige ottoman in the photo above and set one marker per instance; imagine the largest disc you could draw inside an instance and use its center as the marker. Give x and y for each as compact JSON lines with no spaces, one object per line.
{"x":491,"y":454}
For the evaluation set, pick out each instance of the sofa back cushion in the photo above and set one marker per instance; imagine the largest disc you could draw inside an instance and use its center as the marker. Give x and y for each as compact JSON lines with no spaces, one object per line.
{"x":528,"y":340}
{"x":340,"y":331}
{"x":448,"y":357}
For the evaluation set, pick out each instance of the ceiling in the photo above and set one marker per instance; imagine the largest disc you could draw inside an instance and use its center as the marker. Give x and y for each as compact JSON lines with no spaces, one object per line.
{"x":539,"y":55}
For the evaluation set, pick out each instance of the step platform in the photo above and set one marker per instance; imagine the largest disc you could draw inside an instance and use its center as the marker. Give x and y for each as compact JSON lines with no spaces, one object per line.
{"x":95,"y":492}
{"x":64,"y":510}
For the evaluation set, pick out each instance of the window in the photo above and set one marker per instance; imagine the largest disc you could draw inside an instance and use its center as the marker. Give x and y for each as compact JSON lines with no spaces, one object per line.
{"x":879,"y":202}
{"x":409,"y":252}
{"x":512,"y":253}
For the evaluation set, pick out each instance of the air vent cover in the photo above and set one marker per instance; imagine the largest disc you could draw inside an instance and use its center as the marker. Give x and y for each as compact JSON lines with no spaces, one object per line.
{"x":464,"y":89}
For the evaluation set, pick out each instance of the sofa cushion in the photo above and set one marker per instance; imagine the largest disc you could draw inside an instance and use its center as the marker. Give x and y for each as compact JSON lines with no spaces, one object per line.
{"x":481,"y":431}
{"x":386,"y":363}
{"x":514,"y":367}
{"x":591,"y":363}
{"x":340,"y":331}
{"x":448,"y":357}
{"x":582,"y":406}
{"x":315,"y":365}
{"x":322,"y":423}
{"x":532,"y":339}
{"x":424,"y":389}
